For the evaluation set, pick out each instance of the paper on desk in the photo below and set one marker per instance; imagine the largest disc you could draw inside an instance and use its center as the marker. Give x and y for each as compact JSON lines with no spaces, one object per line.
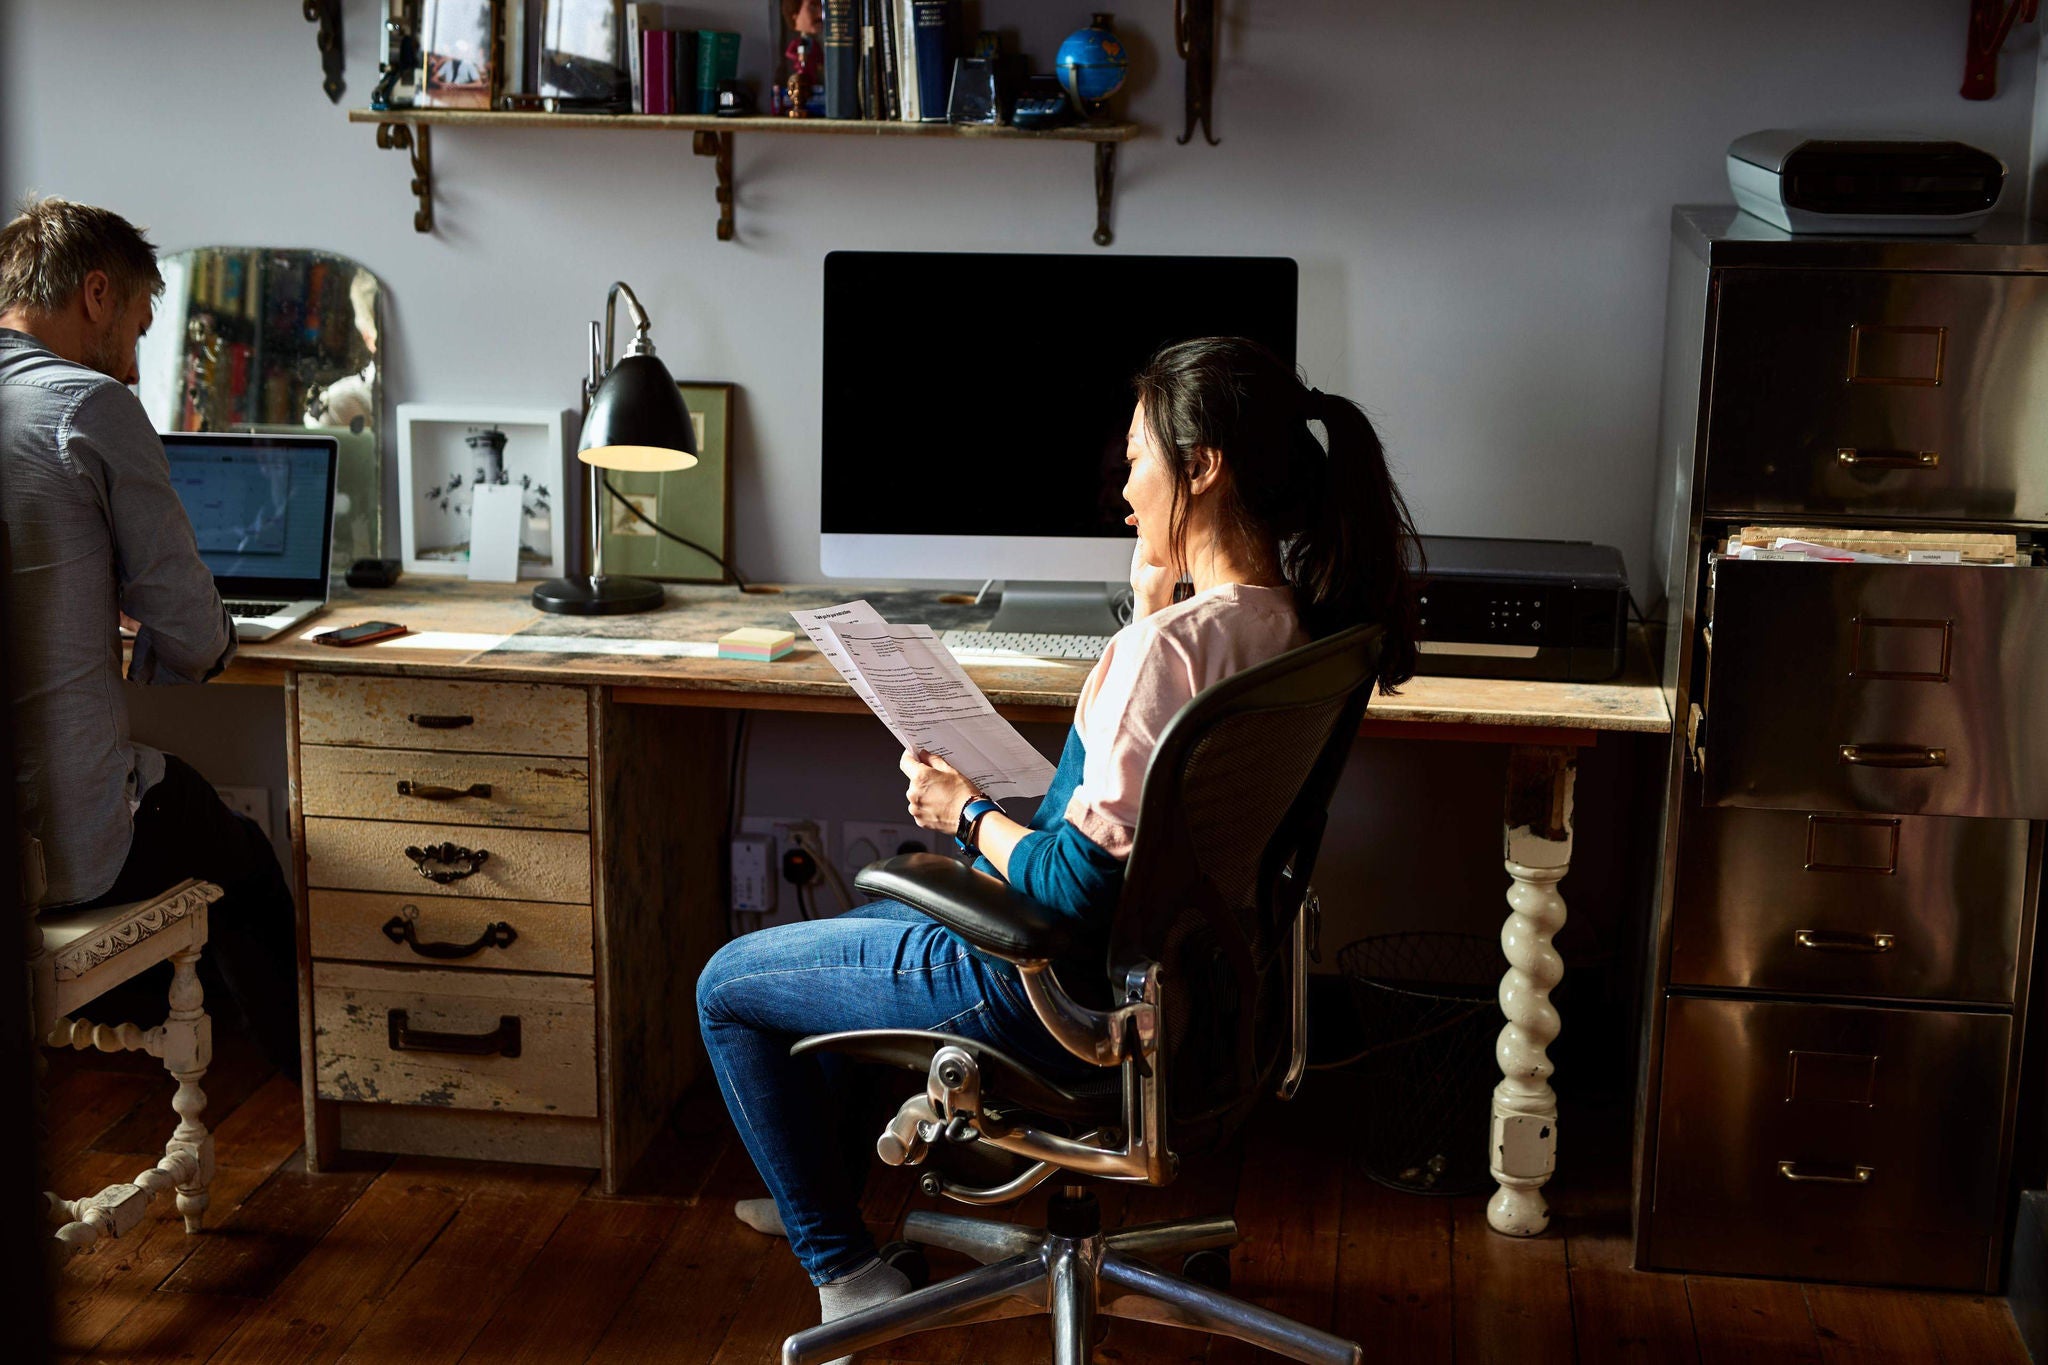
{"x":914,"y":686}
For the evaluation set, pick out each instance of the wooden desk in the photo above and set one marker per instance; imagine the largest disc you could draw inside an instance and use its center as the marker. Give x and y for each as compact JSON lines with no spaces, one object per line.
{"x":634,"y":664}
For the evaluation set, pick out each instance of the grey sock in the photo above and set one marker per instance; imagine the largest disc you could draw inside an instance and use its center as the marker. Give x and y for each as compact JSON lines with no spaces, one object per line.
{"x":876,"y":1282}
{"x":761,"y":1215}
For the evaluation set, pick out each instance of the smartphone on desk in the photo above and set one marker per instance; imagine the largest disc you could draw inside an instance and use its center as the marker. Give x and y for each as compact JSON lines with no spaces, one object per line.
{"x":362,"y":633}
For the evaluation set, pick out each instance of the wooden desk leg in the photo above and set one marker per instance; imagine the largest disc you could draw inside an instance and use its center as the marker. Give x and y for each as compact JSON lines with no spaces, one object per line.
{"x":1522,"y":1149}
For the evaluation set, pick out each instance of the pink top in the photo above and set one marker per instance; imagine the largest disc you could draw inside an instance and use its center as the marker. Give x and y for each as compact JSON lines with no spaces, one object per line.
{"x":1152,"y":668}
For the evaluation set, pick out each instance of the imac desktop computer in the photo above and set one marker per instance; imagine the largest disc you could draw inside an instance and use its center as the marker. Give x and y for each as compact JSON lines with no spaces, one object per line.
{"x":976,"y":405}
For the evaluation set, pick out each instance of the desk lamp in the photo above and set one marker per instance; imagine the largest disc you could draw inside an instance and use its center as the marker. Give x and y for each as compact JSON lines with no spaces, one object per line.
{"x":634,"y":418}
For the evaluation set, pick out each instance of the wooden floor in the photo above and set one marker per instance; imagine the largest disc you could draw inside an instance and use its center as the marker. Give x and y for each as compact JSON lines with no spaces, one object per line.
{"x":419,"y":1260}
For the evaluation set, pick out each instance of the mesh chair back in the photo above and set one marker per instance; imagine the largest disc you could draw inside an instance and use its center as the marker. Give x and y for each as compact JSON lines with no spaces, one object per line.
{"x":1229,"y":826}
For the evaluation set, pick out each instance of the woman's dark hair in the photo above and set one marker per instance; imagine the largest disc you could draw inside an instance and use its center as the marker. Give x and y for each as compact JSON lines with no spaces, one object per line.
{"x":1342,"y":532}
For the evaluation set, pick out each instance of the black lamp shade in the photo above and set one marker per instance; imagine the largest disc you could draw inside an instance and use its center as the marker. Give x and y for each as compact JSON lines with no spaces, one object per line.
{"x":637,"y":413}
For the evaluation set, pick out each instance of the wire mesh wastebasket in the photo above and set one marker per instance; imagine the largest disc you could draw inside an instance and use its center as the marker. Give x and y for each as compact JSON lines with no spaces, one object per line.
{"x":1426,"y":1014}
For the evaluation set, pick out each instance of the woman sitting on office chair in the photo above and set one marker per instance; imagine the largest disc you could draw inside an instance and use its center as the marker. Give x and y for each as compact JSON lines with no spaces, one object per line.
{"x":1282,"y":542}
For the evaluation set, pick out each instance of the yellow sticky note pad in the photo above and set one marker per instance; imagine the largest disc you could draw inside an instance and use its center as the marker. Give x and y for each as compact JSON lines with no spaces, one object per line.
{"x":757,"y":643}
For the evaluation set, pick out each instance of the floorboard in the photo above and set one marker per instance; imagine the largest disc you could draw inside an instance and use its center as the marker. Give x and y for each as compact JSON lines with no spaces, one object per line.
{"x":1751,"y":1322}
{"x":255,"y":1248}
{"x":1513,"y":1297}
{"x":572,"y":1290}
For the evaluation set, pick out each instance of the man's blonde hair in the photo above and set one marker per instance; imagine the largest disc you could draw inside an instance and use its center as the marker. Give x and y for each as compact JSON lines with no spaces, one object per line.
{"x":47,"y":251}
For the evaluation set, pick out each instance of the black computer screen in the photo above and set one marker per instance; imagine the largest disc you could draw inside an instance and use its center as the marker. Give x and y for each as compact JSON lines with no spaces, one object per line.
{"x":986,"y":394}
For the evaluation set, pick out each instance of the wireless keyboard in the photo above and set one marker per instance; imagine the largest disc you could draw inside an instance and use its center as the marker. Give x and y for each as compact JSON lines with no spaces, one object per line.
{"x":1028,"y":646}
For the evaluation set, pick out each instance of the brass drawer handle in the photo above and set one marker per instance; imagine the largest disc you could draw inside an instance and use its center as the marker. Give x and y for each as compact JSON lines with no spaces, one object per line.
{"x":427,"y":791}
{"x":458,"y":862}
{"x":502,"y":1041}
{"x":1855,"y":1175}
{"x":495,"y":935}
{"x":1888,"y":459}
{"x":1829,"y":941}
{"x":1894,"y":756}
{"x":441,"y":722}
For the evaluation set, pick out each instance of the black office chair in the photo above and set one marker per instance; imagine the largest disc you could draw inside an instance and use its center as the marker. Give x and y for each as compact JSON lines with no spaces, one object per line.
{"x":1205,"y":1010}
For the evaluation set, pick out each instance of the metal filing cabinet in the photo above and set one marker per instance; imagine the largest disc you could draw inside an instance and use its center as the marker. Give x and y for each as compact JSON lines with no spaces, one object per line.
{"x":1853,"y":822}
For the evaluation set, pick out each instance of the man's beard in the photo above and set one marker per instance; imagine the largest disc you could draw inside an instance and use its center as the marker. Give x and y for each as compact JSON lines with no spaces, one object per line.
{"x":103,"y":353}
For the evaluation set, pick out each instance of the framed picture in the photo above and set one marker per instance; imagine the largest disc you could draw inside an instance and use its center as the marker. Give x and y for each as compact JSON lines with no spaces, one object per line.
{"x":444,"y":451}
{"x":694,"y":503}
{"x":458,"y":45}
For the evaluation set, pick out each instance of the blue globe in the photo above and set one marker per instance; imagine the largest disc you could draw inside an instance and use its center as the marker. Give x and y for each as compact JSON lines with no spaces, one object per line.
{"x":1091,"y":64}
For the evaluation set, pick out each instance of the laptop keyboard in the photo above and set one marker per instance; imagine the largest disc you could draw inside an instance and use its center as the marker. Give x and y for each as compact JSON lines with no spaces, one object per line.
{"x":1028,"y":646}
{"x":255,"y":608}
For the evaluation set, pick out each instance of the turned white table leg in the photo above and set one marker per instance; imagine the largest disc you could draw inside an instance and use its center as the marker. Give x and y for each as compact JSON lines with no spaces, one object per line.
{"x":187,"y":1050}
{"x":1522,"y":1146}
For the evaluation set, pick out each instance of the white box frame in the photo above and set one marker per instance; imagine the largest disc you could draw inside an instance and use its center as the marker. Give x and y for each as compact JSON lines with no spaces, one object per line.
{"x":549,"y":455}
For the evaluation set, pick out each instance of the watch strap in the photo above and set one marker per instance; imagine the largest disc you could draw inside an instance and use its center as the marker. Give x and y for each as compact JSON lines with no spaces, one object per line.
{"x":970,"y":815}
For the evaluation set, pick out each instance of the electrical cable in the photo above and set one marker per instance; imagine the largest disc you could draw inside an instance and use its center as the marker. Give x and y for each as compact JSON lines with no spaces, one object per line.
{"x":825,"y":866}
{"x":982,"y":592}
{"x":627,"y":503}
{"x":736,"y":780}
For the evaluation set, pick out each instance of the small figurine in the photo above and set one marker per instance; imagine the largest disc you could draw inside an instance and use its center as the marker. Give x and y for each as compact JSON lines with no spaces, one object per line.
{"x":804,"y":57}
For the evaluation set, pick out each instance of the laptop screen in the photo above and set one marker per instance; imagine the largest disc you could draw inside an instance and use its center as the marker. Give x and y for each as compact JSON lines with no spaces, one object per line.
{"x":262,"y":508}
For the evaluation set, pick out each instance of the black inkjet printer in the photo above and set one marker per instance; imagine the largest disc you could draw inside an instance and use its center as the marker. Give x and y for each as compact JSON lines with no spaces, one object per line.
{"x":1555,"y":610}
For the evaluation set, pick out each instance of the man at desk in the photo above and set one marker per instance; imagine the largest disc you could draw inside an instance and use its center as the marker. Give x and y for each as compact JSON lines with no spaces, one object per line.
{"x":93,"y":533}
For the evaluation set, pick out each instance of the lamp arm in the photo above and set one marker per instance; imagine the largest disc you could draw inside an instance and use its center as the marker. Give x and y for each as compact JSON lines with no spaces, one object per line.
{"x":640,"y":344}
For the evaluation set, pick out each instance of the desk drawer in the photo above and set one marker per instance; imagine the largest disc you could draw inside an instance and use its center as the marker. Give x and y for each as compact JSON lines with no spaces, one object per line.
{"x":451,"y":932}
{"x":477,"y":789}
{"x":515,"y":864}
{"x":1833,"y":1142}
{"x":421,"y":713}
{"x":1884,"y":688}
{"x":1863,"y":392}
{"x":1907,"y":907}
{"x":457,"y":1040}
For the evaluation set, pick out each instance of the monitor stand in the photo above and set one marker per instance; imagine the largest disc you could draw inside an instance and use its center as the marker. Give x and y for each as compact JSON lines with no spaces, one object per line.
{"x":1033,"y":607}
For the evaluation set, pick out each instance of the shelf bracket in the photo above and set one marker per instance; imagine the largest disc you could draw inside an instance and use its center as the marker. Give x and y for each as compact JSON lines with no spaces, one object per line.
{"x":719,"y":147}
{"x":420,"y":143}
{"x":327,"y":14}
{"x":1105,"y":190}
{"x":1194,"y":35}
{"x":1991,"y":22}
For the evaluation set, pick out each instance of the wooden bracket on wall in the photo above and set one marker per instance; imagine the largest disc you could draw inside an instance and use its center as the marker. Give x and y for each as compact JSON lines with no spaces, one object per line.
{"x":327,"y":14}
{"x":1194,"y":35}
{"x":1105,"y":190}
{"x":420,"y":143}
{"x":1991,"y":22}
{"x":718,"y":146}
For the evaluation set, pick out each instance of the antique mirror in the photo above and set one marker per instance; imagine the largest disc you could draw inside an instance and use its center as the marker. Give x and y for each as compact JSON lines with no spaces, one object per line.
{"x":259,"y":339}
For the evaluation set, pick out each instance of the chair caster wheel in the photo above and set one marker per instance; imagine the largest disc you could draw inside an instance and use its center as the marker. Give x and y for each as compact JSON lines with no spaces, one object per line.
{"x":908,"y":1258}
{"x":1210,"y":1267}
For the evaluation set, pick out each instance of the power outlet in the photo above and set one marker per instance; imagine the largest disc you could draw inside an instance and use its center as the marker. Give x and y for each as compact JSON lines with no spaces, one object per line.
{"x":253,"y":802}
{"x":868,"y":841}
{"x":780,"y":831}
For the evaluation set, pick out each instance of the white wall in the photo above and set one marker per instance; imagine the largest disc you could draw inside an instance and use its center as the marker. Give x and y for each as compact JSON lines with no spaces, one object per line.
{"x":1477,"y":191}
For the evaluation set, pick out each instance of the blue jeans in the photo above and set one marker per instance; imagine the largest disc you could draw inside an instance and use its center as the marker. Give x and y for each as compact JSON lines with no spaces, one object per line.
{"x":879,"y":966}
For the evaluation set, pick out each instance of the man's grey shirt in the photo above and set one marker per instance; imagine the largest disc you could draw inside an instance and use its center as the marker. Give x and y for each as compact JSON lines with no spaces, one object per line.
{"x":92,"y":529}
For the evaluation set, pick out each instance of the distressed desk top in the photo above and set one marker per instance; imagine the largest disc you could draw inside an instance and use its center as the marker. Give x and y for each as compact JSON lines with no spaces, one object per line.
{"x":492,"y":632}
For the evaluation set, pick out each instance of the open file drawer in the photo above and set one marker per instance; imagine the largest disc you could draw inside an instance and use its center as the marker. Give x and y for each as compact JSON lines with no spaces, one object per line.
{"x":1915,"y":690}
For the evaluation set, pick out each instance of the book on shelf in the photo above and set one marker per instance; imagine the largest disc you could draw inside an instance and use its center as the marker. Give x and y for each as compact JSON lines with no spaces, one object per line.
{"x":718,"y":59}
{"x":885,"y":34}
{"x":682,"y":66}
{"x":657,"y":76}
{"x":514,"y":77}
{"x":641,"y":19}
{"x":906,"y":61}
{"x":933,"y":26}
{"x":870,"y":68}
{"x":842,"y":59}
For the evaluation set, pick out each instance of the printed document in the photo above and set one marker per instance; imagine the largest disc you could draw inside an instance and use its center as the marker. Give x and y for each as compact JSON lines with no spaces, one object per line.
{"x":917,"y":688}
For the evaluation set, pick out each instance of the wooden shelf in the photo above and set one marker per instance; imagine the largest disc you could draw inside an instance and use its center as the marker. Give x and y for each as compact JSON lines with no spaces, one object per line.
{"x":411,"y":130}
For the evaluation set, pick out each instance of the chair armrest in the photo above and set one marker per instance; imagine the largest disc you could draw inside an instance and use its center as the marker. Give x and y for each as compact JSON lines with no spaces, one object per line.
{"x":986,"y":911}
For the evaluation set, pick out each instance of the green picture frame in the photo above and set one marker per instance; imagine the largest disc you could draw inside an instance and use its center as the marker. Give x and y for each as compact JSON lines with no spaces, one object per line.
{"x":694,"y":503}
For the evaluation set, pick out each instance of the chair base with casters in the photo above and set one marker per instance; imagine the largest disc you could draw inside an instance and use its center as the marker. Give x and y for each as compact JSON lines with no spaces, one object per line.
{"x":75,"y":956}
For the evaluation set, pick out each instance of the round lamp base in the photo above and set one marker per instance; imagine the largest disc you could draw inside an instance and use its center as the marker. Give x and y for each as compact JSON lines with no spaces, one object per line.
{"x":607,"y":596}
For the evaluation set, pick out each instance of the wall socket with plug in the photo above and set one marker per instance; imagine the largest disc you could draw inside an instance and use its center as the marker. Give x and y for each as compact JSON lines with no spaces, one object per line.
{"x":782,"y":907}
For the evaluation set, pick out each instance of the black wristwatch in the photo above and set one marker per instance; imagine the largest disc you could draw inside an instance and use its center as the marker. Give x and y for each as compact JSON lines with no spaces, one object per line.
{"x":970,"y":816}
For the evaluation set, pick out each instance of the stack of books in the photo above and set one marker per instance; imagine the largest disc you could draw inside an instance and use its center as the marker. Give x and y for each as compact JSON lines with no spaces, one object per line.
{"x":890,"y":60}
{"x":676,"y":71}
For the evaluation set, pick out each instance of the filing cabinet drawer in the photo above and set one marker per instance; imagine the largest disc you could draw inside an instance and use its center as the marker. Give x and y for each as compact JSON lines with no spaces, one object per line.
{"x":1885,"y":688}
{"x":1834,"y":1141}
{"x":457,"y":1040}
{"x":477,"y":789}
{"x":1910,"y":907}
{"x":1869,"y":393}
{"x":451,"y":932}
{"x":421,"y":713}
{"x":498,"y":864}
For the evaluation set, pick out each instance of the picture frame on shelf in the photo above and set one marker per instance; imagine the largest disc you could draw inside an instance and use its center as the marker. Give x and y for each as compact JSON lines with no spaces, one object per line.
{"x":694,"y":503}
{"x":459,"y":66}
{"x":445,"y":449}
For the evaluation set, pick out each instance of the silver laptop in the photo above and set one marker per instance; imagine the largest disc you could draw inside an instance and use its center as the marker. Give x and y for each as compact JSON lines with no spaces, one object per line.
{"x":262,"y":508}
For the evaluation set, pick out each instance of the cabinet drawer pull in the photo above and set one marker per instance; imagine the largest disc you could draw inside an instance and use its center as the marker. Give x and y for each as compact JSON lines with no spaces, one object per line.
{"x":1855,"y":1175}
{"x":456,"y":861}
{"x":502,"y":1041}
{"x":427,"y":791}
{"x":1829,"y":941}
{"x":495,"y":935}
{"x":1888,"y":459}
{"x":1894,"y":756}
{"x":440,"y":722}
